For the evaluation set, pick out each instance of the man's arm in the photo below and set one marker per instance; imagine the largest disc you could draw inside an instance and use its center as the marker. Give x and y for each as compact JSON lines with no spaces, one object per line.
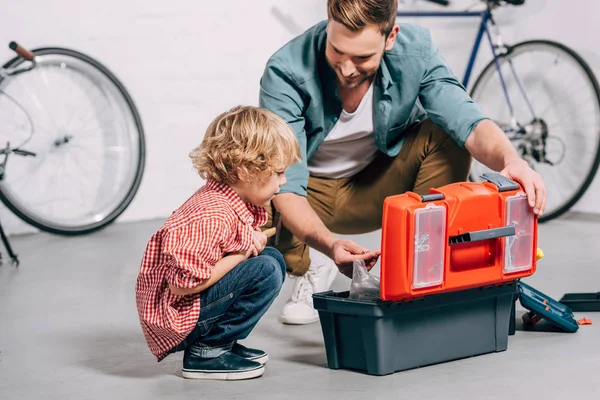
{"x":490,"y":146}
{"x":281,"y":95}
{"x":452,"y":109}
{"x":299,"y":217}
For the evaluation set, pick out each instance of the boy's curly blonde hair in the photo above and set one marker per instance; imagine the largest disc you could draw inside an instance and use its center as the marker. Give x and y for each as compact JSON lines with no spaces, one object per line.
{"x":245,"y":144}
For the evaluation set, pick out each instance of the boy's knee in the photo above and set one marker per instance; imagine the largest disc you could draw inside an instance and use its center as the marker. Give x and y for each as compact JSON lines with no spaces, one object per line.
{"x":279,"y":264}
{"x":270,"y":274}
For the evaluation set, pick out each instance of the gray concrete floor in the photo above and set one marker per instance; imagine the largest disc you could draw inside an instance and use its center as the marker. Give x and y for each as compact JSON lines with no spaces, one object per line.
{"x":69,"y":330}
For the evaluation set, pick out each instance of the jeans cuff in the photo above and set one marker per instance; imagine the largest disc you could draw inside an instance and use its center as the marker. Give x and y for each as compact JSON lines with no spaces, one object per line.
{"x":203,"y":351}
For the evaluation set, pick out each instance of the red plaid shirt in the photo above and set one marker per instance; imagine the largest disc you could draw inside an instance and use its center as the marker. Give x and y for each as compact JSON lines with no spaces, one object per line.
{"x":212,"y":222}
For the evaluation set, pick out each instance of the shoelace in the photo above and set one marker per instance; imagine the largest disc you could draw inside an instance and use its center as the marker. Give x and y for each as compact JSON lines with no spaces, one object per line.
{"x":304,"y":289}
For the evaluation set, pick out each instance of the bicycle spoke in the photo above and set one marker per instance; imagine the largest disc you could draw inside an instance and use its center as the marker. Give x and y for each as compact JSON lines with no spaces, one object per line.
{"x":577,"y":106}
{"x":567,"y":109}
{"x":83,"y":182}
{"x":77,"y":111}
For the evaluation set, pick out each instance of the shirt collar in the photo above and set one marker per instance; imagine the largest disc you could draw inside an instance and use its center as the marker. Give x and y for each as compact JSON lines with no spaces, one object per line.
{"x":244,"y":210}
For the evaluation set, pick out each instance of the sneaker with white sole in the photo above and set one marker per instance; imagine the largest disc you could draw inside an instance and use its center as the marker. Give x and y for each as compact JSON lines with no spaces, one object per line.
{"x":226,"y":367}
{"x":299,"y":309}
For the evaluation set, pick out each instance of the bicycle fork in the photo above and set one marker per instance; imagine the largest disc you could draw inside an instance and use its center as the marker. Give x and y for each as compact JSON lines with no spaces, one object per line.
{"x":13,"y":257}
{"x":499,"y":49}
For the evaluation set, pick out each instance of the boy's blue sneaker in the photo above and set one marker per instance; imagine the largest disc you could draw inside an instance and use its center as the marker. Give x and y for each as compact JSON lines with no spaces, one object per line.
{"x":227,"y":366}
{"x":250,"y":354}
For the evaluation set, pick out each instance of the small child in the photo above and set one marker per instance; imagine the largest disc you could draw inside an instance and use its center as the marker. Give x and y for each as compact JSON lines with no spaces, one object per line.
{"x":206,"y":277}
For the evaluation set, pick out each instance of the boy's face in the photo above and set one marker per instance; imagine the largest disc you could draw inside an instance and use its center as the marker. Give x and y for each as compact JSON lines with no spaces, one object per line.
{"x":261,"y":193}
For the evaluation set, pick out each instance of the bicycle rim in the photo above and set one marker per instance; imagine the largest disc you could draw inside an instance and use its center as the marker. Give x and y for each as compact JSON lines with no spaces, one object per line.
{"x":563,"y":100}
{"x":87,"y":136}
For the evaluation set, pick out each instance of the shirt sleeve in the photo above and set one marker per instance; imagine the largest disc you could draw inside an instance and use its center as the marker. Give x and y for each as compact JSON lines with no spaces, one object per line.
{"x":280,"y":95}
{"x":260,"y":216}
{"x":193,"y":250}
{"x":446,"y":100}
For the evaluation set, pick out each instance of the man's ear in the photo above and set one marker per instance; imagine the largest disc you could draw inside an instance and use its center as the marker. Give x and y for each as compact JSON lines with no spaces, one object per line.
{"x":389,"y":42}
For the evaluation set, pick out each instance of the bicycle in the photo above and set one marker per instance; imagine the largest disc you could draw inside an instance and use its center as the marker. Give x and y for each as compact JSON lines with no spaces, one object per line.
{"x":538,"y":129}
{"x":74,"y":139}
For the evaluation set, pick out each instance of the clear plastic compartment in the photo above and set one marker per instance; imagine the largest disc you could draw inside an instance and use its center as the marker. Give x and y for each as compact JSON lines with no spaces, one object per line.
{"x":518,"y":249}
{"x":429,"y":246}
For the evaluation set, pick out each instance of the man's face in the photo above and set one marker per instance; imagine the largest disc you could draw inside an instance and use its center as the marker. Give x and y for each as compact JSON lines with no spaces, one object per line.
{"x":355,"y":56}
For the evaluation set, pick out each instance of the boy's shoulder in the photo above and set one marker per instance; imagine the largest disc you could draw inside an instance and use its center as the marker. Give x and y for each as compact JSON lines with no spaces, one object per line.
{"x":204,"y":205}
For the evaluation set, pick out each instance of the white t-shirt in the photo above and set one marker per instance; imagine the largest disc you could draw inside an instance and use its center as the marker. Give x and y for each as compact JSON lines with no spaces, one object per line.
{"x":350,"y":146}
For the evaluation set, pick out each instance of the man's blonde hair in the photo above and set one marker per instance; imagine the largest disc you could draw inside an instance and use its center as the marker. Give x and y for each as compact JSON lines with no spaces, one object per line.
{"x":356,"y":14}
{"x":245,"y":144}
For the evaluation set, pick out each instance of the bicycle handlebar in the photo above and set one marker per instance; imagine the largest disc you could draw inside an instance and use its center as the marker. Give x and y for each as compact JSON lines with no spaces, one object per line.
{"x":26,"y":54}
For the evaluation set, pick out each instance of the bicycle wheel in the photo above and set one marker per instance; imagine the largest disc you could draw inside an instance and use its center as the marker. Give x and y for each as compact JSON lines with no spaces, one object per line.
{"x":556,"y":126}
{"x":88,"y":140}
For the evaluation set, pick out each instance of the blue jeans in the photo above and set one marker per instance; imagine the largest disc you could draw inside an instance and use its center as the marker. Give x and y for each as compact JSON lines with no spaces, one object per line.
{"x":231,"y":308}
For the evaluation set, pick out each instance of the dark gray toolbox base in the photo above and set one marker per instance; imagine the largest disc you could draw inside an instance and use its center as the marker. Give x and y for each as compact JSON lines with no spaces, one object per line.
{"x":382,"y":337}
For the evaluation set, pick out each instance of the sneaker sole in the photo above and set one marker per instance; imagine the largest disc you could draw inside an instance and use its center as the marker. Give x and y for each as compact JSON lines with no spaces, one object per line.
{"x":262,"y":360}
{"x":223,"y":375}
{"x":298,"y":321}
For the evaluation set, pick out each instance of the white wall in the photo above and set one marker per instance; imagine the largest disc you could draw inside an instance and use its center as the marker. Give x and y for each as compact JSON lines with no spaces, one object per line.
{"x":185,"y":61}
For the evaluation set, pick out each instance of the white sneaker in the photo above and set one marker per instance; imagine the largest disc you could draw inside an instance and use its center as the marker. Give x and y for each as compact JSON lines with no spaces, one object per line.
{"x":299,"y":309}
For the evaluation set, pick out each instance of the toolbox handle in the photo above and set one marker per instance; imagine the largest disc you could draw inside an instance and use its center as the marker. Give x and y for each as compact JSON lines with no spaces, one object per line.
{"x":502,"y":182}
{"x":486,"y":234}
{"x":432,"y":197}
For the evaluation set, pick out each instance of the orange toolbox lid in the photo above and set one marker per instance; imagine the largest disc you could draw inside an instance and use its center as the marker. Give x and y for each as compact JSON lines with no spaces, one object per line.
{"x":459,"y":236}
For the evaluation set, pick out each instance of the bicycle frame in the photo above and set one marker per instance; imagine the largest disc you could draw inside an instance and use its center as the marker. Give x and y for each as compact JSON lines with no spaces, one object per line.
{"x":485,"y":18}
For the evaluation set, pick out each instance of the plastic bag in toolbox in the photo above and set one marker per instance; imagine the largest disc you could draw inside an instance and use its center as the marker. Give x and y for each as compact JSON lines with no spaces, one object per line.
{"x":364,"y":286}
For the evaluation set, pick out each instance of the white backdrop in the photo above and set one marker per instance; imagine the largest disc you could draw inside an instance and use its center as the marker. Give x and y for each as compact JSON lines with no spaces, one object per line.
{"x":185,"y":61}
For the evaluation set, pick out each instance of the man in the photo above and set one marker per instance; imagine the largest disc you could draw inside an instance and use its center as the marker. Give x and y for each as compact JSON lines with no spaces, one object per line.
{"x":377,"y":112}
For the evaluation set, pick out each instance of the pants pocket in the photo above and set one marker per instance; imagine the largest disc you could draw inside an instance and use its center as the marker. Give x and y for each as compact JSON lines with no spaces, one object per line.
{"x":212,"y":313}
{"x":205,"y":325}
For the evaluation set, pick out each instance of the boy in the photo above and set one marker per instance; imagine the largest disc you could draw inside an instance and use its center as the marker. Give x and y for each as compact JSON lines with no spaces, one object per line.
{"x":206,"y":277}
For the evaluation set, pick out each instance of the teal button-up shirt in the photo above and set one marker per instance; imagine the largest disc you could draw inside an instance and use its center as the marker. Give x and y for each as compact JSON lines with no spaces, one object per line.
{"x":412,"y":83}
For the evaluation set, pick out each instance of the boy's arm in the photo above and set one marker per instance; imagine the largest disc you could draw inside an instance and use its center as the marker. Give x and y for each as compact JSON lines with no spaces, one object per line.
{"x":222,"y":267}
{"x":195,"y":252}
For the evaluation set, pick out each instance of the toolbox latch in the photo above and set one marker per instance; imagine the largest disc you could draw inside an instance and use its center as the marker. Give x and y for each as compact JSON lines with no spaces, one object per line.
{"x":504,"y":184}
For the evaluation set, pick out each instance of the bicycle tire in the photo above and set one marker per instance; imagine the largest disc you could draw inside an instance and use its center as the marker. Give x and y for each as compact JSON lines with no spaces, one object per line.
{"x":490,"y":69}
{"x":122,"y":203}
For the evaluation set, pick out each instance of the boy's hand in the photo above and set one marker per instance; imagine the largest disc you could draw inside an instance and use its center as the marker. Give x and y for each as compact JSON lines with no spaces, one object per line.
{"x":251,"y":252}
{"x":247,"y":253}
{"x":259,"y":241}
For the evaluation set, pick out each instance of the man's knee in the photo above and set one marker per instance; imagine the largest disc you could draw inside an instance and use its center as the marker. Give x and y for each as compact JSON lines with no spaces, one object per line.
{"x":297,"y":259}
{"x":442,"y":140}
{"x":447,"y":154}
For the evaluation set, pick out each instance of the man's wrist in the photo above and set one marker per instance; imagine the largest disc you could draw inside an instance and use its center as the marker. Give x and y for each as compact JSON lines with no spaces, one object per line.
{"x":510,"y":156}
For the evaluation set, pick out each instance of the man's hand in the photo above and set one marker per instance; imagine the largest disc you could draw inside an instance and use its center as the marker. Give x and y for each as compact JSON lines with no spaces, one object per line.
{"x":490,"y":146}
{"x":344,"y":253}
{"x":518,"y":170}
